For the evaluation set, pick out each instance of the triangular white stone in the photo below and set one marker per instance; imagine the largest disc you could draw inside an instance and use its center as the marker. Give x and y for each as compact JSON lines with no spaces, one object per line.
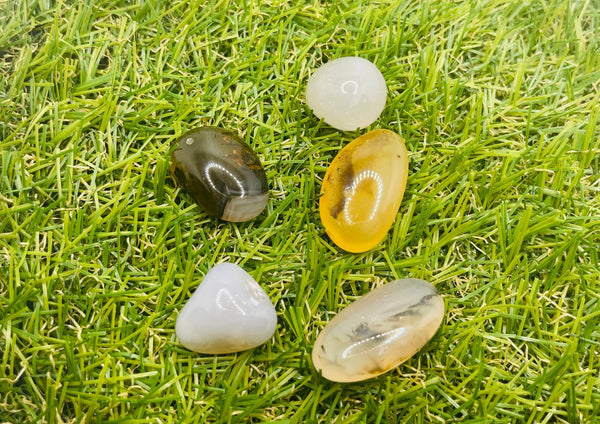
{"x":228,"y":312}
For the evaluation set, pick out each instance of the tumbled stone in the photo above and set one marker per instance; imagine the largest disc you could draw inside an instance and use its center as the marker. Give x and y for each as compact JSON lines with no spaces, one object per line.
{"x":362,"y":190}
{"x":347,"y":93}
{"x":228,"y":312}
{"x":379,"y":331}
{"x":221,"y":173}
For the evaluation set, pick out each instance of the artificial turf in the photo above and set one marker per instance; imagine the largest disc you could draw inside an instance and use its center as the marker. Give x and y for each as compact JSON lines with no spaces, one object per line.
{"x":499,"y":104}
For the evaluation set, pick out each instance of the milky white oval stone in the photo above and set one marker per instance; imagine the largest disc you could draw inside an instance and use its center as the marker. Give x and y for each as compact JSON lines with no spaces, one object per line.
{"x":379,"y":331}
{"x":228,"y":312}
{"x":347,"y":93}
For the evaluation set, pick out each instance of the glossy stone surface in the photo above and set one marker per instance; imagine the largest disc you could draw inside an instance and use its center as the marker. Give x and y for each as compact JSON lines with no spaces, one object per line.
{"x":362,"y":190}
{"x":347,"y":93}
{"x":228,"y":312}
{"x":221,"y":173}
{"x":379,"y":331}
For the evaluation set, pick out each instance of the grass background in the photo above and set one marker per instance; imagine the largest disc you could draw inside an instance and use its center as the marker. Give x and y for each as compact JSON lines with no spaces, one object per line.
{"x":499,"y":104}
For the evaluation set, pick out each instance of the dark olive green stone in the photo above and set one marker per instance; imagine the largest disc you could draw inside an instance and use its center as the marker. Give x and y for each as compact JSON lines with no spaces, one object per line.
{"x":221,"y":173}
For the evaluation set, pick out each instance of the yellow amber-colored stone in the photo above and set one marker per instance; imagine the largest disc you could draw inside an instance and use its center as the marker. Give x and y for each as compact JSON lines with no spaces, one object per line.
{"x":362,"y":190}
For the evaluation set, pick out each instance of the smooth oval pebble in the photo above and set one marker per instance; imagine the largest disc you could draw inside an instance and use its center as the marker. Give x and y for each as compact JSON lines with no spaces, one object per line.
{"x":228,"y":312}
{"x":362,"y":190}
{"x":347,"y":93}
{"x":221,"y":173}
{"x":379,"y":331}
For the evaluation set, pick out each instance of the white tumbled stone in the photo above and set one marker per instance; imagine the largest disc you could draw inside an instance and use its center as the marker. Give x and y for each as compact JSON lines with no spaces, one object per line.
{"x":379,"y":331}
{"x":228,"y":312}
{"x":348,"y":93}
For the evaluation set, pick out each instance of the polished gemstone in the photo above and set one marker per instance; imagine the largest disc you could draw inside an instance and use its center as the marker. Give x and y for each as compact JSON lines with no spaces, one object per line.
{"x":228,"y":312}
{"x":362,"y":190}
{"x":221,"y":173}
{"x":379,"y":331}
{"x":347,"y":93}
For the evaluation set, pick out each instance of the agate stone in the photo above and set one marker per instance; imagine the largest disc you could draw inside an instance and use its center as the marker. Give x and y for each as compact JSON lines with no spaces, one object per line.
{"x":228,"y":312}
{"x":378,"y":331}
{"x":221,"y":173}
{"x":347,"y":93}
{"x":362,"y":190}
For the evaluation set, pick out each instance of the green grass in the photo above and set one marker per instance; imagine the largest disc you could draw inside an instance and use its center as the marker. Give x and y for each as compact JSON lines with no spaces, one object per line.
{"x":499,"y":104}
